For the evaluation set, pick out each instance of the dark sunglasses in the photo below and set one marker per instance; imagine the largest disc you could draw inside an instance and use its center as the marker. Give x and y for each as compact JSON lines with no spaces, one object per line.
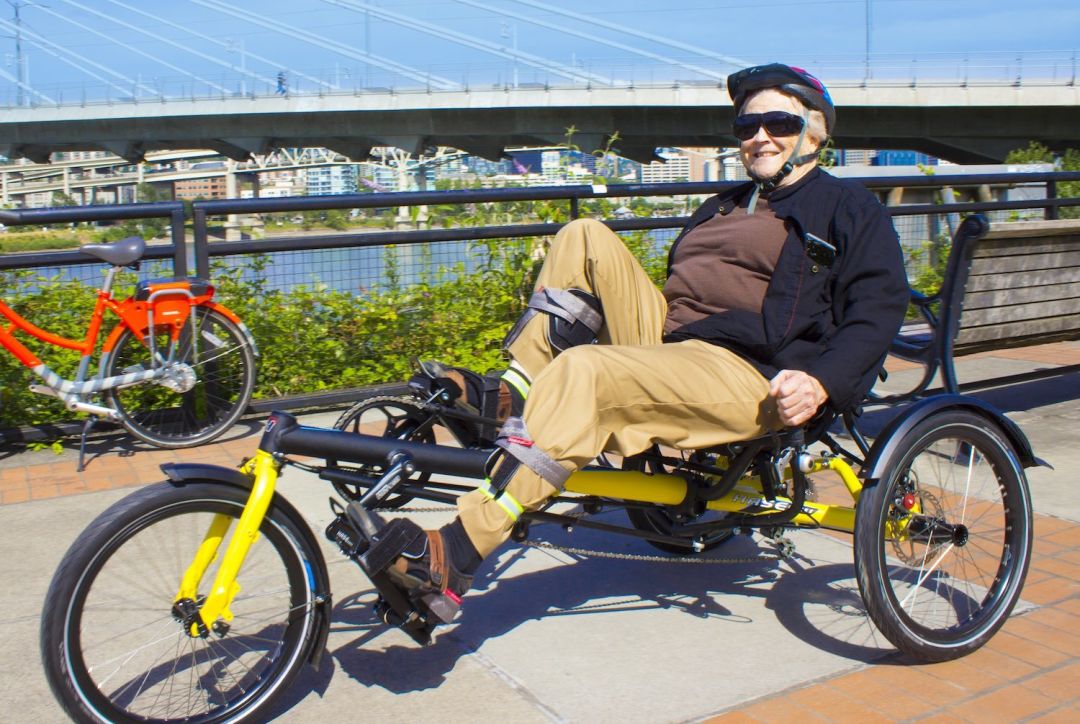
{"x":777,"y":123}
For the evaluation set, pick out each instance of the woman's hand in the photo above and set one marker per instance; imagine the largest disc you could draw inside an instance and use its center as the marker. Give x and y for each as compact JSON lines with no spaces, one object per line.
{"x":798,"y":396}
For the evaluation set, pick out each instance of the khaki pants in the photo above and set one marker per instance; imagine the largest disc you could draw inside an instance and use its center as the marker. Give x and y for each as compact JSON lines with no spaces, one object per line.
{"x":623,"y":394}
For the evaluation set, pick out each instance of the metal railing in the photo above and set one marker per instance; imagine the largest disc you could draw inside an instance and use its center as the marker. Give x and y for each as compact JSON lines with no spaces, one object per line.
{"x":203,"y":248}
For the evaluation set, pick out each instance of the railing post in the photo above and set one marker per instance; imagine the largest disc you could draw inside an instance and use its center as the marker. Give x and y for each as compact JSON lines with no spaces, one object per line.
{"x":1051,"y":212}
{"x":202,"y":248}
{"x":176,"y":222}
{"x":574,"y":211}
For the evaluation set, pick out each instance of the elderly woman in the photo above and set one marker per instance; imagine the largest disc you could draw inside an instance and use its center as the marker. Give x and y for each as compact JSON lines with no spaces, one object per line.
{"x":782,"y":296}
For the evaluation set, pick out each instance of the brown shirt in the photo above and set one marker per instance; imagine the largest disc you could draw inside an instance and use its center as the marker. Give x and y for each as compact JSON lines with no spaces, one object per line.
{"x":724,"y":263}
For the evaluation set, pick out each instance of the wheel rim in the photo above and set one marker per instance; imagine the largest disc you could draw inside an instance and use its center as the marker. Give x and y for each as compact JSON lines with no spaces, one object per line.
{"x":951,"y":567}
{"x":129,"y":656}
{"x":217,"y":354}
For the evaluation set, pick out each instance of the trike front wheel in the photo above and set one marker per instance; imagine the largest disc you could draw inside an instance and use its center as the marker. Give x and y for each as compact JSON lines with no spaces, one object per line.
{"x":113,"y":643}
{"x":943,"y":539}
{"x":208,"y":388}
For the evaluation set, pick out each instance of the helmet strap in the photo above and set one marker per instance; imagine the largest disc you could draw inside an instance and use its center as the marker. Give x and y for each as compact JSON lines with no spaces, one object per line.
{"x":768,"y":185}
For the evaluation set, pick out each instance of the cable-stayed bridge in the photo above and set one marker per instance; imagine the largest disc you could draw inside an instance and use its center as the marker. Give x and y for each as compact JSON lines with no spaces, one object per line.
{"x":161,"y":83}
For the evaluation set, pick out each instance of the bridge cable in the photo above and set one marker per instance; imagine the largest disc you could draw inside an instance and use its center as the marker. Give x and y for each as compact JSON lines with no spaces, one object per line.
{"x":340,"y":48}
{"x":132,"y":48}
{"x":230,"y":66}
{"x":25,"y":86}
{"x":470,"y":42}
{"x":61,"y":53}
{"x":592,"y":20}
{"x":593,"y":38}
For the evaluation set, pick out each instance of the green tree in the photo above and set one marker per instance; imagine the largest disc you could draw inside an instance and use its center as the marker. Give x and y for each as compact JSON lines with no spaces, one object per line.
{"x":1036,"y":152}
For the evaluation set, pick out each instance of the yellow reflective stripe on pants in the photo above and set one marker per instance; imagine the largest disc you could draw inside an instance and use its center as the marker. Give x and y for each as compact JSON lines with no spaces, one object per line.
{"x":513,"y":508}
{"x":516,"y":380}
{"x":506,"y":501}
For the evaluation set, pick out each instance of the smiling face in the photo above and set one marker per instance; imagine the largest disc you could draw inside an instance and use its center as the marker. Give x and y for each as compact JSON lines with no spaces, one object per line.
{"x":763,"y":155}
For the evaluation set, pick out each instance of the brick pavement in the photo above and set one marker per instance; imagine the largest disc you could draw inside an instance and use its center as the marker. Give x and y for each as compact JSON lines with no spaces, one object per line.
{"x":1030,"y":671}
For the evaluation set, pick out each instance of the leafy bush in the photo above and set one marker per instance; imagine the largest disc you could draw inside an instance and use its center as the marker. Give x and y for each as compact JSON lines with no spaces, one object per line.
{"x":312,"y":338}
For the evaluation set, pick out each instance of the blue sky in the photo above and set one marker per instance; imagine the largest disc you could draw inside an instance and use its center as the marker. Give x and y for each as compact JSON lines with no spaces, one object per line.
{"x":829,"y":36}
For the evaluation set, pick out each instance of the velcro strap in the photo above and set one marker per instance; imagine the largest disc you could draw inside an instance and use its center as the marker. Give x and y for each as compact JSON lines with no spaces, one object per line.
{"x":390,"y":543}
{"x":566,"y":306}
{"x":514,"y":439}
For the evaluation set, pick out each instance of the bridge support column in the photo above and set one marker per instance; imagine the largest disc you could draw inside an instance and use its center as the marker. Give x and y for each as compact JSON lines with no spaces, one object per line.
{"x":232,"y":191}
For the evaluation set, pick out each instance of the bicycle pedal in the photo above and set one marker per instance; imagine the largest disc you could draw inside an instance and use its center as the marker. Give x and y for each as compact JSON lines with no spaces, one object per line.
{"x":348,"y":539}
{"x":412,"y":623}
{"x":444,"y":606}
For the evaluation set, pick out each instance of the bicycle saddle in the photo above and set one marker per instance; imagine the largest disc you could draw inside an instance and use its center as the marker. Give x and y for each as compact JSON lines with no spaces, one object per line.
{"x":119,"y":253}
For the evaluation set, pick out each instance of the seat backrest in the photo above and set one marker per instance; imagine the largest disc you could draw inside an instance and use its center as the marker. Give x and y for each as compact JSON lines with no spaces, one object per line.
{"x":1022,"y":286}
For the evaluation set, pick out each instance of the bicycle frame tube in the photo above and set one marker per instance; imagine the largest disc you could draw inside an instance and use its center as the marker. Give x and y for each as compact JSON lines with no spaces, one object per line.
{"x":225,"y":586}
{"x":85,"y":347}
{"x":745,"y":498}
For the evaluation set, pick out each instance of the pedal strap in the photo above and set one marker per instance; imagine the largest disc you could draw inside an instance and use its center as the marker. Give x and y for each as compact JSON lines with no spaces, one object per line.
{"x":392,"y":541}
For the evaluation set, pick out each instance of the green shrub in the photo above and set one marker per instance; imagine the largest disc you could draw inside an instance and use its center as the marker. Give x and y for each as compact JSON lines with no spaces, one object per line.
{"x":312,"y":338}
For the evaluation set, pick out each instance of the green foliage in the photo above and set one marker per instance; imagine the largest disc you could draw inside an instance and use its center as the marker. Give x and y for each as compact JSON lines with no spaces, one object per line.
{"x":1036,"y":152}
{"x":312,"y":338}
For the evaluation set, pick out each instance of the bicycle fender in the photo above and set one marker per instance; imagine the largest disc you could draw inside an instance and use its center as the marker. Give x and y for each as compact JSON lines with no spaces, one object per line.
{"x":886,"y":445}
{"x":319,"y":580}
{"x":248,"y":338}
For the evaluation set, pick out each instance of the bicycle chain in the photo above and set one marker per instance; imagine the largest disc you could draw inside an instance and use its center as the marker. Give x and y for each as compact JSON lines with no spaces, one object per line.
{"x":653,"y":559}
{"x":786,"y":548}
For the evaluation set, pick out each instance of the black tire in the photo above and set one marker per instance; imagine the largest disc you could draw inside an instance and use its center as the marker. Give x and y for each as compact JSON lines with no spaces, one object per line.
{"x":941,"y":592}
{"x":660,"y":519}
{"x":396,"y":417}
{"x":112,"y":648}
{"x":224,"y":366}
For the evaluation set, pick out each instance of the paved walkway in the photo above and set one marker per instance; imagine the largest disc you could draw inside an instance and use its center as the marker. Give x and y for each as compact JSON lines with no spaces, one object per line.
{"x":1029,"y":671}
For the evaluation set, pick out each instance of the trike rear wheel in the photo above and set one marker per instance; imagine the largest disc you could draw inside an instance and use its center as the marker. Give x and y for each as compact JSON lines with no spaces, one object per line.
{"x":943,"y":539}
{"x":114,"y":646}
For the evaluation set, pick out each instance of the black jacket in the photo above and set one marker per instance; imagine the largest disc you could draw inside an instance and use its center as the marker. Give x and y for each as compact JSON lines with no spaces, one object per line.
{"x":833,"y":318}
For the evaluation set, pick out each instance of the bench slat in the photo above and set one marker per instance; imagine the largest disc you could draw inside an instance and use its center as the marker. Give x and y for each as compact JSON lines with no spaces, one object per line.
{"x":1023,"y":295}
{"x":1032,"y":229}
{"x":1018,"y":312}
{"x":1012,"y":247}
{"x":1025,"y":262}
{"x":1009,"y":334}
{"x":1042,"y":277}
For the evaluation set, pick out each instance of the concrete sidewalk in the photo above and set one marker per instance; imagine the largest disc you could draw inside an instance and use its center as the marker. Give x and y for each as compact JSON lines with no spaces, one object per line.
{"x":547,"y":636}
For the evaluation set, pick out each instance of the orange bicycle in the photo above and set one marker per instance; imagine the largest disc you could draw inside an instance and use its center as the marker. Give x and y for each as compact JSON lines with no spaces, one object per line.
{"x":177,"y":370}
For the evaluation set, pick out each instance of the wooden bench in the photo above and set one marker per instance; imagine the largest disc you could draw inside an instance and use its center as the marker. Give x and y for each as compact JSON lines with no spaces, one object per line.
{"x":1006,"y":285}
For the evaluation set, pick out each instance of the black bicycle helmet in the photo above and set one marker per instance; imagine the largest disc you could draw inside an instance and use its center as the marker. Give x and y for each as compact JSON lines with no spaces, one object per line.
{"x":796,"y":81}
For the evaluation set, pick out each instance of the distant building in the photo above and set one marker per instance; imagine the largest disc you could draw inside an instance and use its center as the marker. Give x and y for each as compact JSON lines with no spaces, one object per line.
{"x":674,"y":168}
{"x":212,"y":187}
{"x":902,"y":158}
{"x":331,"y":180}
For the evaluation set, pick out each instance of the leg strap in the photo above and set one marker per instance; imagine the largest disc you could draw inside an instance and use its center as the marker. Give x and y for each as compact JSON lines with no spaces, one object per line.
{"x":576,"y":317}
{"x":517,"y":448}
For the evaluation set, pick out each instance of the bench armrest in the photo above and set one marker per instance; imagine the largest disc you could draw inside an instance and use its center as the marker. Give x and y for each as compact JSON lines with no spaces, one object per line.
{"x":922,"y":302}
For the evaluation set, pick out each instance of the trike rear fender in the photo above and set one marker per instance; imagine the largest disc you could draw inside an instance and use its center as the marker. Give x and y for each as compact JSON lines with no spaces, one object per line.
{"x":183,"y":473}
{"x":886,"y":444}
